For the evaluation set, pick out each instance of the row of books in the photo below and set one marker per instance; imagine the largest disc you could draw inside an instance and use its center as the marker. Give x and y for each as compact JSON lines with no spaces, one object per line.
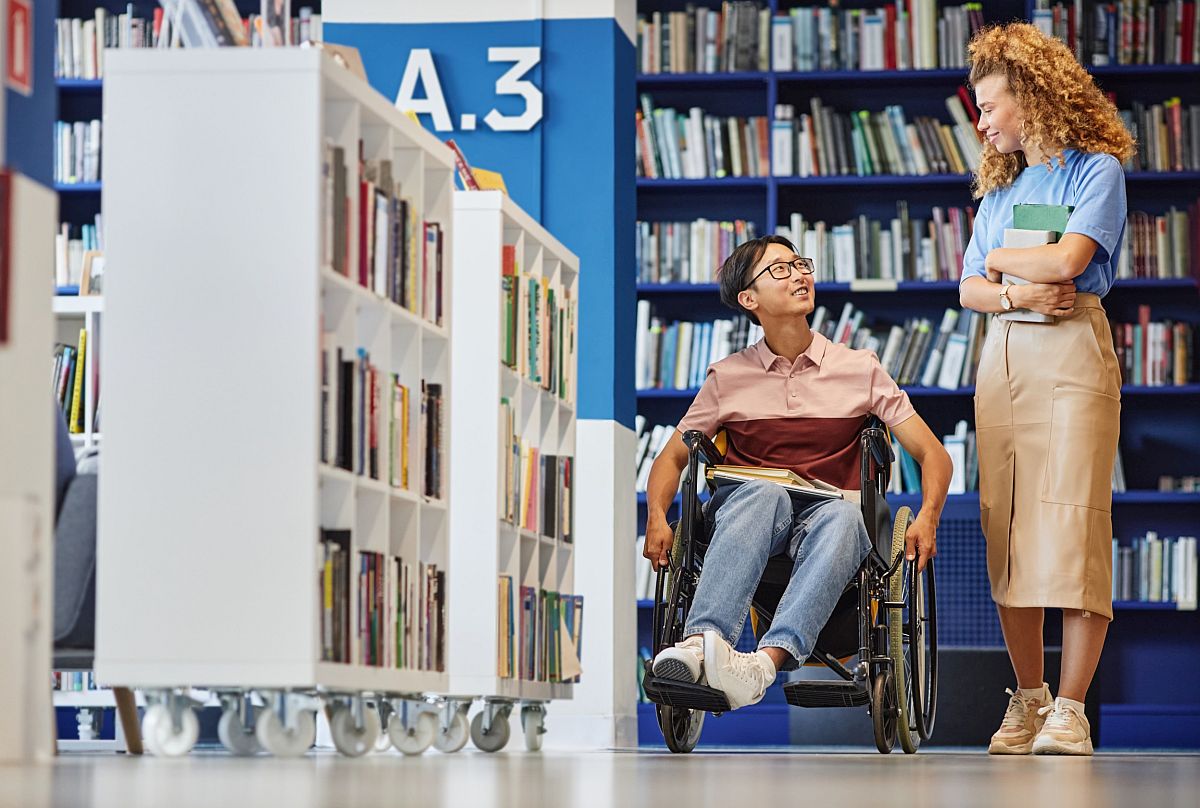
{"x":672,"y":145}
{"x":70,"y":250}
{"x":367,"y":421}
{"x":1160,"y":246}
{"x":905,"y":477}
{"x":374,"y":234}
{"x":537,"y":490}
{"x":1155,"y":570}
{"x":650,"y":442}
{"x":703,"y":40}
{"x":1187,"y":484}
{"x":77,"y":152}
{"x":824,"y":142}
{"x":899,"y":36}
{"x":1168,"y":135}
{"x":73,"y":681}
{"x":1126,"y":32}
{"x":539,"y":328}
{"x":676,"y":355}
{"x":69,"y":367}
{"x":539,"y":639}
{"x":905,"y":248}
{"x":399,"y":607}
{"x":80,"y":43}
{"x":687,"y":252}
{"x":1155,"y":353}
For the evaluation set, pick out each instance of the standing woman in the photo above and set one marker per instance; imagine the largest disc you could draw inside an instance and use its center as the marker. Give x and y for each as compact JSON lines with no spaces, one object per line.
{"x":1048,"y":395}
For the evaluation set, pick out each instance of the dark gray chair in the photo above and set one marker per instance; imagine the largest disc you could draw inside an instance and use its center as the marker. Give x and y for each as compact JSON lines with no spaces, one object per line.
{"x":75,"y":578}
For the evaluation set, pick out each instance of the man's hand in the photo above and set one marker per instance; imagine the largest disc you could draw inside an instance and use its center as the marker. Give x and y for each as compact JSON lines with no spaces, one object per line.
{"x":920,"y":541}
{"x":659,"y":538}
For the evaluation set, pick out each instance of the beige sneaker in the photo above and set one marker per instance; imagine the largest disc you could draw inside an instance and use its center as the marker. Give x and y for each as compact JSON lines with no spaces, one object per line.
{"x":1022,"y":721}
{"x":1066,"y":731}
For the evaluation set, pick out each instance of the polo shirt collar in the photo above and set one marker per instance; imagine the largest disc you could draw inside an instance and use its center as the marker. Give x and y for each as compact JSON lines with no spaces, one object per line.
{"x":815,"y":351}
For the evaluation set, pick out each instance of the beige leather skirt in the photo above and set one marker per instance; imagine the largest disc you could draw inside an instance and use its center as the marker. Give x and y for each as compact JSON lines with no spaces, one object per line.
{"x":1047,"y":418}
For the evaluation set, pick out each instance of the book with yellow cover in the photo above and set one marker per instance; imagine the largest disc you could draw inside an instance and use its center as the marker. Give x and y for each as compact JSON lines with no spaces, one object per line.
{"x":76,"y":422}
{"x":783,"y":477}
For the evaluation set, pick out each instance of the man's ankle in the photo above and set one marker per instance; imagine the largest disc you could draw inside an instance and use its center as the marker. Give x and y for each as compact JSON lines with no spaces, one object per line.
{"x":779,"y":657}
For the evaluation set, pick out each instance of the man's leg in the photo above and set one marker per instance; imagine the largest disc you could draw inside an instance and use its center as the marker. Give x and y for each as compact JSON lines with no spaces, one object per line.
{"x":828,"y":547}
{"x":754,"y":520}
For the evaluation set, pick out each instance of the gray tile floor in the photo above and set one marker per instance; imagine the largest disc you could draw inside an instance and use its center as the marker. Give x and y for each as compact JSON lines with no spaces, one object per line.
{"x":600,"y":779}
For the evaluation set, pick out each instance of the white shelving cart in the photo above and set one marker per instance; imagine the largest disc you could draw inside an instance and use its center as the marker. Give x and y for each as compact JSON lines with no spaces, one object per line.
{"x":489,"y":539}
{"x":235,"y":278}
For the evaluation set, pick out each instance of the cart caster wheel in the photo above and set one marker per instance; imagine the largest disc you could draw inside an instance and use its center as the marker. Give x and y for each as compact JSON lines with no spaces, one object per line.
{"x":283,"y":741}
{"x":383,"y":742}
{"x":496,"y":737}
{"x":350,"y":740}
{"x":883,"y":712}
{"x":235,"y":737}
{"x":533,"y":724}
{"x":454,"y":736}
{"x":160,"y":736}
{"x":414,"y":739}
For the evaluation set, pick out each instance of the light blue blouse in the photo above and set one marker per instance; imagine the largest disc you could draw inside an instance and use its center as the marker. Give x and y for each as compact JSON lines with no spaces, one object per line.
{"x":1094,"y":184}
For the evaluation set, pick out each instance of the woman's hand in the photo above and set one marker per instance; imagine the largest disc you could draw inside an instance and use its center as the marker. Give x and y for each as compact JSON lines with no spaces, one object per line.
{"x":1057,"y":299}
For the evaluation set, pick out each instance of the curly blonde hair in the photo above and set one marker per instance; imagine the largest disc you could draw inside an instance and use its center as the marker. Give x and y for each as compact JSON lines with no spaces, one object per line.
{"x":1061,"y":103}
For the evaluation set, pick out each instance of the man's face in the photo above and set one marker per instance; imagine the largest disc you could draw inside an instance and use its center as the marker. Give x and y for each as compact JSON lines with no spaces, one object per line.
{"x":778,"y":290}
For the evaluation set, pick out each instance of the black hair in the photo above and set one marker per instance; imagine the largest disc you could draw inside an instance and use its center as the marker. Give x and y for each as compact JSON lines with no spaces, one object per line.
{"x":732,"y":274}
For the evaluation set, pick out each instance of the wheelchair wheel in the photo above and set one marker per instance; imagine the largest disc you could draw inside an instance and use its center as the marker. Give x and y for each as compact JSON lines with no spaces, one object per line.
{"x":901,"y":588}
{"x":923,"y":648}
{"x":680,"y":727}
{"x":883,"y":711}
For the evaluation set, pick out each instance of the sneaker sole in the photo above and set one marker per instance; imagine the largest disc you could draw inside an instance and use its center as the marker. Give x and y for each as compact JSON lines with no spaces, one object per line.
{"x":1049,"y":747}
{"x":1001,"y":748}
{"x":675,"y":670}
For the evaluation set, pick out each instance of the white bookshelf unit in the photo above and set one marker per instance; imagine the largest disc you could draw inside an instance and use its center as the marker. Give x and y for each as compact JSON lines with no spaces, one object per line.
{"x":484,"y":544}
{"x":71,"y":314}
{"x":225,"y":307}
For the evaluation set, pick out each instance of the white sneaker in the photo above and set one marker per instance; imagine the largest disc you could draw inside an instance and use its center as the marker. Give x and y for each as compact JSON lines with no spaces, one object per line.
{"x":682,"y":661}
{"x":743,"y":677}
{"x":1066,"y":731}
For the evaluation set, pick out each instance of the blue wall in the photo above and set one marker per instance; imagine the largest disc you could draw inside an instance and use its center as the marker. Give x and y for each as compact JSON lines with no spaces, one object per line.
{"x":573,"y":172}
{"x":29,"y":120}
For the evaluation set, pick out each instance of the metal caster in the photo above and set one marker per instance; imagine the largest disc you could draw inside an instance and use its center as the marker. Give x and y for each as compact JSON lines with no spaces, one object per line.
{"x":411,"y":728}
{"x":236,"y":727}
{"x":285,"y":729}
{"x":170,"y":727}
{"x":354,"y":727}
{"x":489,"y":729}
{"x":384,"y":742}
{"x":533,"y":724}
{"x":455,"y":729}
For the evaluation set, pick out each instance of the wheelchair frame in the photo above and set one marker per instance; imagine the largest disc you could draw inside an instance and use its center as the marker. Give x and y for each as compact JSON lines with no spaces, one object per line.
{"x":892,"y":645}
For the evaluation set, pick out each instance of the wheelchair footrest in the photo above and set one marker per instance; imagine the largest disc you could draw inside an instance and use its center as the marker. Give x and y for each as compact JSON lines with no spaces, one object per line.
{"x":674,"y":693}
{"x":826,"y":694}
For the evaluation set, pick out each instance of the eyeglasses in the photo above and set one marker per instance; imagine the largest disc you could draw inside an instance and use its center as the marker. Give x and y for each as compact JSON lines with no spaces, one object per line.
{"x":782,"y":270}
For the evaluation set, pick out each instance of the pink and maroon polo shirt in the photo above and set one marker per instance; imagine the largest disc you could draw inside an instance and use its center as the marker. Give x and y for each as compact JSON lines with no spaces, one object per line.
{"x":805,"y":416}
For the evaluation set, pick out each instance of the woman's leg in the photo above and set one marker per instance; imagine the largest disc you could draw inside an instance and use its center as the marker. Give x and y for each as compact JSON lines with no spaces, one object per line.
{"x":1083,"y":640}
{"x":1023,"y":636}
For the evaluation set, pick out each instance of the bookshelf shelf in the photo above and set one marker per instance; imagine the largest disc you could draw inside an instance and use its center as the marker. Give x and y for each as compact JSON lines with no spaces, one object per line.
{"x":1146,"y":606}
{"x":730,"y":79}
{"x":972,"y":498}
{"x":254,"y":492}
{"x":499,"y":562}
{"x":708,"y":183}
{"x":78,"y":305}
{"x":80,"y":85}
{"x":78,"y":187}
{"x":955,"y":75}
{"x":919,"y":287}
{"x":1127,"y":390}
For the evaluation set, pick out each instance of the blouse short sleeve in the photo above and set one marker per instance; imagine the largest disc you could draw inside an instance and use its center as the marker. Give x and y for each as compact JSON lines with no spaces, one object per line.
{"x":976,"y":252}
{"x":1100,"y":207}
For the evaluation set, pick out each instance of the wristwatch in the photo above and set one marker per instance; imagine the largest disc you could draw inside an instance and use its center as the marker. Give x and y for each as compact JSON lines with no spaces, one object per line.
{"x":1005,"y":300}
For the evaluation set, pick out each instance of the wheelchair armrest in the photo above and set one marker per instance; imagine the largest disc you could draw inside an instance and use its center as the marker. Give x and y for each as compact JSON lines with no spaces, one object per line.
{"x":698,"y":444}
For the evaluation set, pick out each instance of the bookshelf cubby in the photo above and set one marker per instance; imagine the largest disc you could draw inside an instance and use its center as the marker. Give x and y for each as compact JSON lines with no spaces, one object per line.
{"x":214,"y":496}
{"x":489,"y":536}
{"x":1159,"y":430}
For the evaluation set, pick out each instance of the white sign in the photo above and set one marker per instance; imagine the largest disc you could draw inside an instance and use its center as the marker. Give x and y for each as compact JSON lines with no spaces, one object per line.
{"x":421,"y":70}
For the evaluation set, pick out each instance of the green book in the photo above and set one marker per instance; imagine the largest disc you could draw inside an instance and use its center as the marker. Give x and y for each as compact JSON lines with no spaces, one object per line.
{"x":1041,"y":217}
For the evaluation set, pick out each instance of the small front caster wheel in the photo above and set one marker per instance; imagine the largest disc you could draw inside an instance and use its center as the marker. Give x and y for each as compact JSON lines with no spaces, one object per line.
{"x":283,"y":741}
{"x":414,"y":738}
{"x":454,"y":736}
{"x":163,"y":738}
{"x":350,"y":740}
{"x":496,"y":736}
{"x":533,"y":724}
{"x":235,"y":736}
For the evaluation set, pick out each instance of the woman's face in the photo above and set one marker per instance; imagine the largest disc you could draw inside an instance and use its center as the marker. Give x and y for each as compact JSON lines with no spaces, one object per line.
{"x":1000,"y":118}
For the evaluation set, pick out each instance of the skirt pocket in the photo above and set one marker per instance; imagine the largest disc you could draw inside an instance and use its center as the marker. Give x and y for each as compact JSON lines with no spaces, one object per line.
{"x":1084,"y":427}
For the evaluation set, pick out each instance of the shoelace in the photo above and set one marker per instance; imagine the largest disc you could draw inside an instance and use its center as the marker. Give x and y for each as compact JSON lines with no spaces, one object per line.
{"x":746,"y":666}
{"x":1014,"y":716}
{"x":1059,"y":716}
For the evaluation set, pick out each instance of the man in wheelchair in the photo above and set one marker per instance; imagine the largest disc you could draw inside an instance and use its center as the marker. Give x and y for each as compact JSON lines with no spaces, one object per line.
{"x":794,"y":400}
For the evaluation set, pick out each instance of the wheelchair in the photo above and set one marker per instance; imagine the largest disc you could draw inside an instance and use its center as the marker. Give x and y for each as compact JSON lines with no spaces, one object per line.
{"x":880,"y":641}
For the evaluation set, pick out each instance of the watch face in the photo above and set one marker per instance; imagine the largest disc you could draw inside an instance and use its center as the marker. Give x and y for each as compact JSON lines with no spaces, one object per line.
{"x":1005,"y":302}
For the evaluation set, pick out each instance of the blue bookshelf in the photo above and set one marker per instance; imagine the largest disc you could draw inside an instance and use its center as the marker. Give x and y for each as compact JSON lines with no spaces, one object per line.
{"x":1160,"y":432}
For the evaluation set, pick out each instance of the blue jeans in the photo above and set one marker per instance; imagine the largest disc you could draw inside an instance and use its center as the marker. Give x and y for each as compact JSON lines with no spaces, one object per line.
{"x":826,"y":539}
